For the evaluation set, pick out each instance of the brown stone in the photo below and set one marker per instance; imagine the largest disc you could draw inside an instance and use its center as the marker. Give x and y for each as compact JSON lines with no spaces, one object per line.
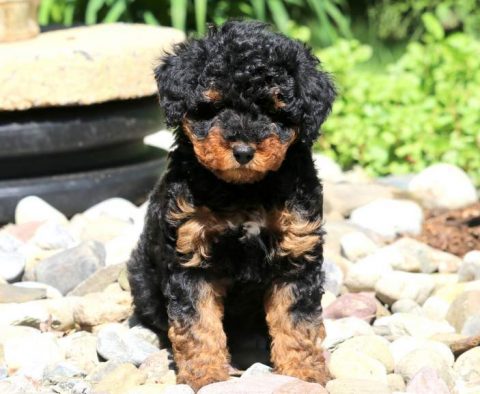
{"x":18,"y":20}
{"x":83,"y":65}
{"x":464,"y":306}
{"x":461,"y":346}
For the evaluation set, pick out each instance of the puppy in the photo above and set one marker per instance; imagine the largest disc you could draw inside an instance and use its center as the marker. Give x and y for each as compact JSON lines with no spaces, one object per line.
{"x":233,"y":232}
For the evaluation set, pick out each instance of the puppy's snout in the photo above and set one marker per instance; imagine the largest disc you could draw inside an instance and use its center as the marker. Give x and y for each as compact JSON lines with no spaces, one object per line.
{"x":243,"y":153}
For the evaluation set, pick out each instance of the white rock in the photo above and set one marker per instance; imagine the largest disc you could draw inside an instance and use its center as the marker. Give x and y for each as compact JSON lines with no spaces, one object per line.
{"x":389,"y":217}
{"x":32,"y":354}
{"x":12,"y":265}
{"x":52,"y":235}
{"x":327,"y":168}
{"x":341,"y":329}
{"x":467,"y":366}
{"x":402,"y":324}
{"x":119,"y":249}
{"x":396,"y":285}
{"x":470,"y":267}
{"x":443,"y":186}
{"x":401,"y":346}
{"x":406,"y":305}
{"x":435,"y":308}
{"x":333,"y":276}
{"x":349,"y":363}
{"x":162,"y":139}
{"x":364,"y":275}
{"x":27,"y":313}
{"x":356,"y":245}
{"x":116,"y":208}
{"x":9,"y":243}
{"x":34,"y":209}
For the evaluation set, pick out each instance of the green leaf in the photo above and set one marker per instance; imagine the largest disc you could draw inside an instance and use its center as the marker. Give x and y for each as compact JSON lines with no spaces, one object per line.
{"x":433,"y":26}
{"x":279,"y":15}
{"x":45,"y":11}
{"x":201,"y":16}
{"x":150,"y":19}
{"x":178,"y":11}
{"x":91,"y":13}
{"x":259,"y":8}
{"x":114,"y":14}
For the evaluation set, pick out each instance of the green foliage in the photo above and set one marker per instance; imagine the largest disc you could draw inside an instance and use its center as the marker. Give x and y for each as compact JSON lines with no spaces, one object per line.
{"x":423,"y":109}
{"x":401,"y":19}
{"x":325,"y":20}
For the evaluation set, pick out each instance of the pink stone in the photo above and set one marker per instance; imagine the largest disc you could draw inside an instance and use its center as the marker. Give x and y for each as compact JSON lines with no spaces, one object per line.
{"x":427,"y":381}
{"x":360,"y":305}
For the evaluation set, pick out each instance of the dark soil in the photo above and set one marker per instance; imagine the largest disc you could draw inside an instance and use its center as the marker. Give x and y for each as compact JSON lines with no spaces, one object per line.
{"x":456,"y":231}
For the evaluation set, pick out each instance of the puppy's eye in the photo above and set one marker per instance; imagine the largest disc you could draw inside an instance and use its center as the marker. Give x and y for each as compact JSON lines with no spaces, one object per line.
{"x":204,"y":111}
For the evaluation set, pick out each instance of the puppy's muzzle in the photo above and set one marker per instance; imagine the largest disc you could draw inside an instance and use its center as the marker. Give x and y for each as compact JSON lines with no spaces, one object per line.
{"x":243,"y":153}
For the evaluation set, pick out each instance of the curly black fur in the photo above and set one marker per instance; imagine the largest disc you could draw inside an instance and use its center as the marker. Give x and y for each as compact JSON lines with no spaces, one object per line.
{"x":246,"y":63}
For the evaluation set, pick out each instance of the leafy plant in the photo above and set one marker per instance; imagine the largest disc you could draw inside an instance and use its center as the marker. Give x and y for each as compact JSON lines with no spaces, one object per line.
{"x":423,"y":109}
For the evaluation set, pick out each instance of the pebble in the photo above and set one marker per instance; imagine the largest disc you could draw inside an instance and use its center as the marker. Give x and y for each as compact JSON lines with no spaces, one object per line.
{"x":395,"y":382}
{"x":14,"y":294}
{"x":101,"y":229}
{"x":100,"y":308}
{"x":341,"y":329}
{"x":148,"y":388}
{"x":327,"y":168}
{"x":119,"y":249}
{"x":146,"y":334}
{"x":467,"y":366}
{"x":350,"y":363}
{"x":402,"y":346}
{"x":443,"y":186}
{"x":435,"y":308}
{"x":373,"y":346}
{"x":357,"y":386}
{"x":389,"y":217}
{"x":406,"y":305}
{"x":62,"y":371}
{"x":52,"y":236}
{"x":81,"y":350}
{"x":364,"y":275}
{"x":333,"y":276}
{"x":120,"y":379}
{"x":67,"y":269}
{"x":17,"y":385}
{"x":34,"y":209}
{"x":419,"y":257}
{"x":427,"y":380}
{"x":464,"y":307}
{"x":116,"y":208}
{"x":116,"y":342}
{"x":98,"y":281}
{"x":360,"y":305}
{"x":12,"y":265}
{"x":401,"y":324}
{"x":414,"y":361}
{"x":31,"y":354}
{"x":50,"y":291}
{"x":8,"y":242}
{"x":157,"y":366}
{"x":257,"y":369}
{"x":179,"y":389}
{"x":356,"y":245}
{"x":28,"y":313}
{"x":470,"y":267}
{"x":396,"y":285}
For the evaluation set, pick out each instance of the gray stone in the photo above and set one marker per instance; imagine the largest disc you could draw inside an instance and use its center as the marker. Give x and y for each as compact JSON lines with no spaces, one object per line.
{"x":62,"y":371}
{"x":471,"y":327}
{"x":67,"y":269}
{"x":34,"y":209}
{"x":116,"y":342}
{"x":129,"y":73}
{"x":50,"y":291}
{"x":356,"y":245}
{"x":470,"y":267}
{"x":98,"y":281}
{"x":401,"y":324}
{"x":146,"y":334}
{"x":389,"y":218}
{"x":9,"y":243}
{"x":11,"y":294}
{"x":333,"y":276}
{"x":257,"y":369}
{"x":12,"y":265}
{"x":443,"y":186}
{"x":341,"y":329}
{"x":406,"y":305}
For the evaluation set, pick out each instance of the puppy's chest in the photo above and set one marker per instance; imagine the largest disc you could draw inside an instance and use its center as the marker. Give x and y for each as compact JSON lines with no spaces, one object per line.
{"x":242,"y":235}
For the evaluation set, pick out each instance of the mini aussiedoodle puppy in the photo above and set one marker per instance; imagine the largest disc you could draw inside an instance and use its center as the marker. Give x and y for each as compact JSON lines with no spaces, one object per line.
{"x":233,"y":233}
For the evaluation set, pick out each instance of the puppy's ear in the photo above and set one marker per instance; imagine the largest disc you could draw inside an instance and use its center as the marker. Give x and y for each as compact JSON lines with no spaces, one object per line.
{"x":317,"y":93}
{"x":175,"y":77}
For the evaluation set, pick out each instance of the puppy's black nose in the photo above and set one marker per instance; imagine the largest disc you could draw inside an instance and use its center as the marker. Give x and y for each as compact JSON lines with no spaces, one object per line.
{"x":243,"y":153}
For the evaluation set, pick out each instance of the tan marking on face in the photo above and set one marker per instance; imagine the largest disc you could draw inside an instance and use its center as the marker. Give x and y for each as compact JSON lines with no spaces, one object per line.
{"x":213,"y":95}
{"x":296,"y":349}
{"x":277,"y":102}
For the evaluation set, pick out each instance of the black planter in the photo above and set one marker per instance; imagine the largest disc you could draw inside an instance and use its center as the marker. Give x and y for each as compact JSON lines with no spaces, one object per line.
{"x":74,"y":157}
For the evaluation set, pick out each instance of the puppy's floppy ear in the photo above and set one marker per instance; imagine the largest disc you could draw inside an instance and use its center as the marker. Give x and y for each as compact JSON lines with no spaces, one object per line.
{"x":175,"y":77}
{"x":317,"y":93}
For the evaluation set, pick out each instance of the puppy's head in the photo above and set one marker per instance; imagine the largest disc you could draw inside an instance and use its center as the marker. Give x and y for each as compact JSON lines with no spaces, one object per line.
{"x":242,"y":95}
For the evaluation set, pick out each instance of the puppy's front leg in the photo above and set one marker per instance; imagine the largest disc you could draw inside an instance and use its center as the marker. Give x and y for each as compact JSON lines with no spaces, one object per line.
{"x":196,"y":331}
{"x":296,"y":329}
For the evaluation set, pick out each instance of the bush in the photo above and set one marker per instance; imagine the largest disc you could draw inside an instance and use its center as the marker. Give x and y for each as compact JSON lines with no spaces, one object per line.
{"x":423,"y":109}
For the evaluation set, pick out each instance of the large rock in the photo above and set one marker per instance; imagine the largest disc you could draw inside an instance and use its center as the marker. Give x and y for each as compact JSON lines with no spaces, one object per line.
{"x":470,"y":266}
{"x":467,"y":366}
{"x":443,"y":186}
{"x":67,"y":269}
{"x":463,"y":308}
{"x":32,"y":208}
{"x":401,"y":324}
{"x":91,"y":69}
{"x":396,"y":285}
{"x":389,"y":217}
